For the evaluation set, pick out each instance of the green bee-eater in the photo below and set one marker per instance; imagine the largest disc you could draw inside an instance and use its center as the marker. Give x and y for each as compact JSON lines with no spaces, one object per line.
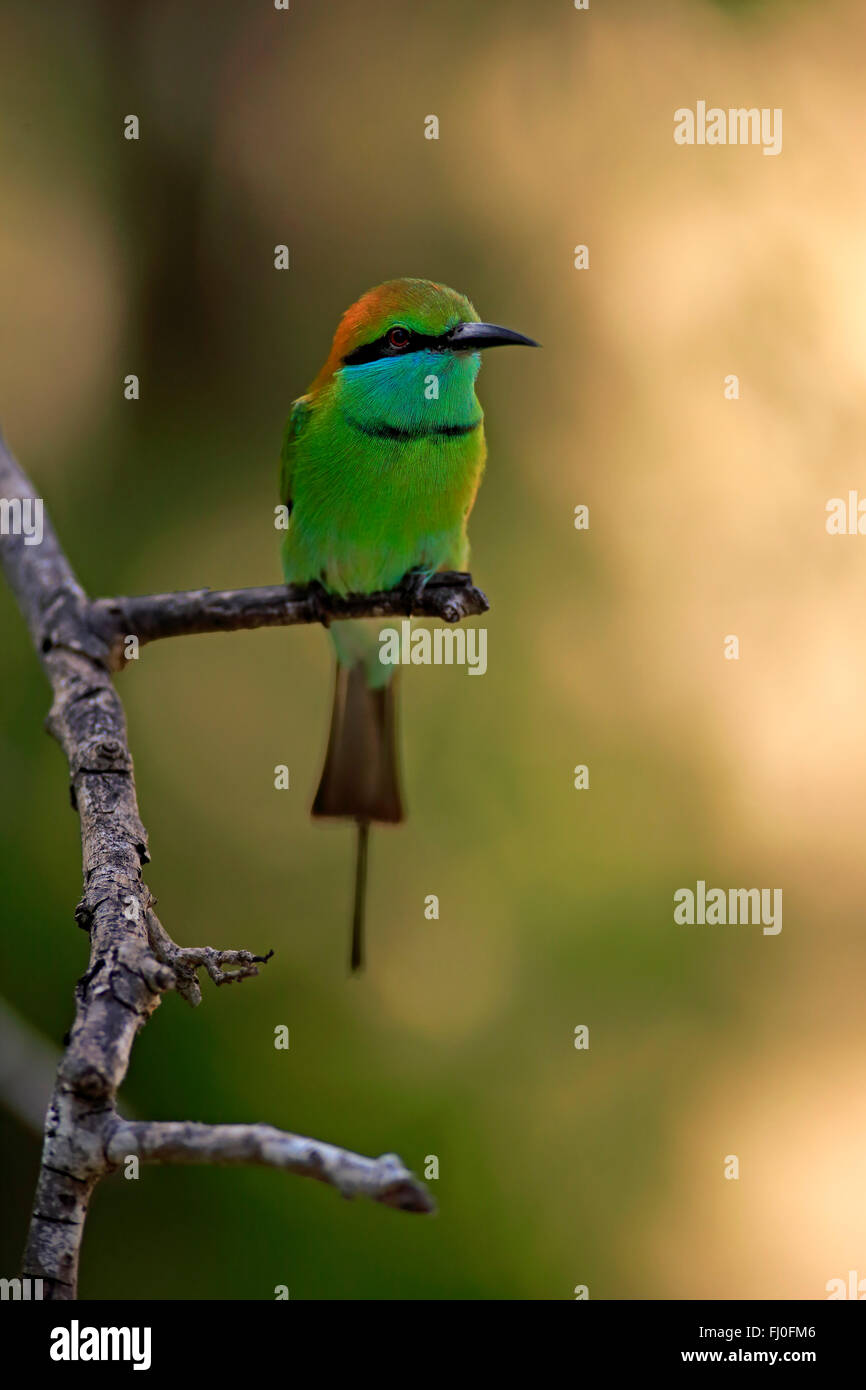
{"x":381,"y":462}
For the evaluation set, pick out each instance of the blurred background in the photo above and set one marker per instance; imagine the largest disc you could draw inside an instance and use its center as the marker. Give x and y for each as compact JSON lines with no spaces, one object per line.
{"x":707,"y":517}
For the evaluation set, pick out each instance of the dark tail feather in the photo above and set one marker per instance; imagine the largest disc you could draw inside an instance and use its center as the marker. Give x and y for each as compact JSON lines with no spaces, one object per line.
{"x":361,"y":775}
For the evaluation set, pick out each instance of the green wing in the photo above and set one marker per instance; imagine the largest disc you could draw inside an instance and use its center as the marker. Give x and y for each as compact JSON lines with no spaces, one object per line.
{"x":300,"y":413}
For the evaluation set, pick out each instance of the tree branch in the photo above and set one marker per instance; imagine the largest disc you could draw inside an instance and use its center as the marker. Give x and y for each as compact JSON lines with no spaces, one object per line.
{"x":133,"y":960}
{"x":449,"y":596}
{"x":384,"y":1179}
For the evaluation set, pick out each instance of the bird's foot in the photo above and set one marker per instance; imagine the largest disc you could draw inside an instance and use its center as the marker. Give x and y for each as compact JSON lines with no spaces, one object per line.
{"x":319,"y":602}
{"x":413,"y":585}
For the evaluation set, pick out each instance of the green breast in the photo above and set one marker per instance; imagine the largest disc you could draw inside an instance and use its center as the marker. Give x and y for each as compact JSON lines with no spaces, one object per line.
{"x":384,"y":472}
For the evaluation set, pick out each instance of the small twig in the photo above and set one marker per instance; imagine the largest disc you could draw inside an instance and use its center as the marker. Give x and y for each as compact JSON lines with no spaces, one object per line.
{"x":185,"y":961}
{"x":384,"y":1179}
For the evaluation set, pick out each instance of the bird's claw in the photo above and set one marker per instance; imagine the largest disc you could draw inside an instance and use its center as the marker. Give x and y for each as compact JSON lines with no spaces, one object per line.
{"x":413,"y":585}
{"x":318,"y":600}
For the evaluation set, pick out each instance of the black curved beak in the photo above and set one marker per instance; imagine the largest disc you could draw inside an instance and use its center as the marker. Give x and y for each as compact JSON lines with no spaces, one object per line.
{"x":470,"y":337}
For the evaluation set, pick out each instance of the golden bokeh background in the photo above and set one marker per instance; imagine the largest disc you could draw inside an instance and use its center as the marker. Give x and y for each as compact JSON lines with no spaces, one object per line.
{"x":707,"y":517}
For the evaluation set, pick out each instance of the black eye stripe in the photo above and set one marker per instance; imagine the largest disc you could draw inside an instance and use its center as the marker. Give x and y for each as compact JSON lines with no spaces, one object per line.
{"x":418,"y":342}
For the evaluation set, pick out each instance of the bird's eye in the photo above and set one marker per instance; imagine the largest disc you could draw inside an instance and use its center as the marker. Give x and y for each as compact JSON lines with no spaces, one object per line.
{"x":399,"y":337}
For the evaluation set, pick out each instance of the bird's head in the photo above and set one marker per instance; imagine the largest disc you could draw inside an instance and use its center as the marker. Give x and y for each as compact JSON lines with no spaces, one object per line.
{"x":405,"y":318}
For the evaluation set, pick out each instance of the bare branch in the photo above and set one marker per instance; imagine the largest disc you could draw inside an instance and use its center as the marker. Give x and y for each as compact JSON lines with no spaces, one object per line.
{"x":384,"y":1179}
{"x":185,"y":961}
{"x":450,"y":596}
{"x":133,"y":960}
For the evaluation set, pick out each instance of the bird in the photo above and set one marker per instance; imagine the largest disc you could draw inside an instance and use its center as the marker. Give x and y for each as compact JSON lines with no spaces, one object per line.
{"x":380,"y":464}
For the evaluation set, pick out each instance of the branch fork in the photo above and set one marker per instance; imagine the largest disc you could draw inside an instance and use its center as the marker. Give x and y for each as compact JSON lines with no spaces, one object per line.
{"x":133,"y":960}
